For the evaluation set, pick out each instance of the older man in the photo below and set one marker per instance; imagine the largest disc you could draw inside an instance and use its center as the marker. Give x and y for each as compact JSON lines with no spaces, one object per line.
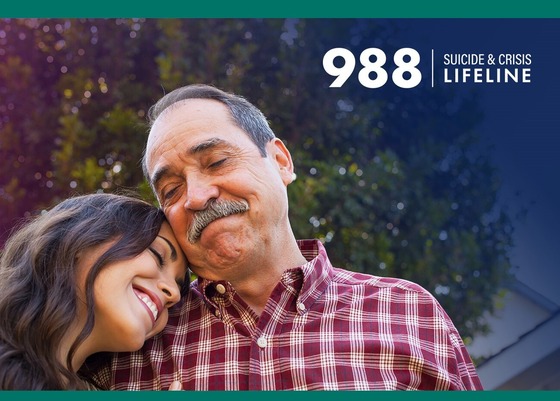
{"x":269,"y":312}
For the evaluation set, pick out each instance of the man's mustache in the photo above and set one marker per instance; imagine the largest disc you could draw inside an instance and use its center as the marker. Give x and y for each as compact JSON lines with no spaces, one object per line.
{"x":213,"y":211}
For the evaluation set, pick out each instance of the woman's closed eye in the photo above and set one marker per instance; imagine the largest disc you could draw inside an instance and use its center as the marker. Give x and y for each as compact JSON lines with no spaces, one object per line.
{"x":158,"y":256}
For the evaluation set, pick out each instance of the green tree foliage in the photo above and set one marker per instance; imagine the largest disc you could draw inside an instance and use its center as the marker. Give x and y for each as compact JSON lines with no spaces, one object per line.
{"x":394,"y":181}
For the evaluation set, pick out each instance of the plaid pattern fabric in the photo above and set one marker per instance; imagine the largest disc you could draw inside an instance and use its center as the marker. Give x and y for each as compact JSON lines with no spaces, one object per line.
{"x":323,"y":328}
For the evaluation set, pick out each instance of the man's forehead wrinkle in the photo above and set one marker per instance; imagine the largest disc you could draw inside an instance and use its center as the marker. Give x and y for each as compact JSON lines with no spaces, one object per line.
{"x":208,"y":144}
{"x":154,"y":144}
{"x":161,"y":127}
{"x":169,"y":125}
{"x":159,"y":144}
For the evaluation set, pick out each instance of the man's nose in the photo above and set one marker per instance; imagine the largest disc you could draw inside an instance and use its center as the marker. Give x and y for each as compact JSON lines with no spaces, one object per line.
{"x":200,"y":190}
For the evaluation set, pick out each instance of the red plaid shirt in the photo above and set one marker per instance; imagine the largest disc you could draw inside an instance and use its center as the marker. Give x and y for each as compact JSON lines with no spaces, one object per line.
{"x":323,"y":328}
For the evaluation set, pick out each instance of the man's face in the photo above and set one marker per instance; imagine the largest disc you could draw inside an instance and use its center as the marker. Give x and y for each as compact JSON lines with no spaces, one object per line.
{"x":195,"y":156}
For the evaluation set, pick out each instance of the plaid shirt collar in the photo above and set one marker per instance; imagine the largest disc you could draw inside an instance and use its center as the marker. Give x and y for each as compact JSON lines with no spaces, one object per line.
{"x":309,"y":280}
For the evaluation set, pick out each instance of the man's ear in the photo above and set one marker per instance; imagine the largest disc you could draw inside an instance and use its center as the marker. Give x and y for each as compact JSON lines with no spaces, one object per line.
{"x":283,"y":159}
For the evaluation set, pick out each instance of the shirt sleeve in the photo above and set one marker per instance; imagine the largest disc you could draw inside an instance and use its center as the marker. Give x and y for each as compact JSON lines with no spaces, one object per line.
{"x":460,"y":366}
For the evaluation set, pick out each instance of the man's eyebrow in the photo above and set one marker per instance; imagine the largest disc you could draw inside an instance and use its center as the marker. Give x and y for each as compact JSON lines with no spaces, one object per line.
{"x":171,"y":247}
{"x":208,"y":144}
{"x":198,"y":148}
{"x":158,"y":175}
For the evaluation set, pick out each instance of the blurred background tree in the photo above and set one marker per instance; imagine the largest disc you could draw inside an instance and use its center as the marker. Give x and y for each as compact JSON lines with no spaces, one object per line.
{"x":394,"y":182}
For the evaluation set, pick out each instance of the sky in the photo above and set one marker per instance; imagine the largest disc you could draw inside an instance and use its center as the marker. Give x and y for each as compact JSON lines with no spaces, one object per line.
{"x":522,"y":123}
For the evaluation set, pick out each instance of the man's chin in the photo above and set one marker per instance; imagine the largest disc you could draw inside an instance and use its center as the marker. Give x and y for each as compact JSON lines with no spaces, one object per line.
{"x":221,"y":244}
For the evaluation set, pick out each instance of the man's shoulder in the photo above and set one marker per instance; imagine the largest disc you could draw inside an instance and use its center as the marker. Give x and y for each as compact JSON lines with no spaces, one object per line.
{"x":314,"y":250}
{"x":379,"y":283}
{"x":397,"y":295}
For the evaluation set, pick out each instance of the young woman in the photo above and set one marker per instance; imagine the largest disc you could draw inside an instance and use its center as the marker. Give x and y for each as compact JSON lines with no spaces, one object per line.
{"x":95,"y":273}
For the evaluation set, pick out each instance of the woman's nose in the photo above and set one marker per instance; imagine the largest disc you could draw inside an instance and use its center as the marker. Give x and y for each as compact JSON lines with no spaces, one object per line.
{"x":171,"y":291}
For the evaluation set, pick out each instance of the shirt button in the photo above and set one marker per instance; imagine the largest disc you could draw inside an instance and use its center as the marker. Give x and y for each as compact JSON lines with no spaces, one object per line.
{"x":221,"y":289}
{"x":301,"y":306}
{"x":218,"y":314}
{"x":261,"y":342}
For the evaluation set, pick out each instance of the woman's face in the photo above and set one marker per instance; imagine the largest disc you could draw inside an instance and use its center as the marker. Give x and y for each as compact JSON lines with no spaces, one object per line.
{"x":132,"y":297}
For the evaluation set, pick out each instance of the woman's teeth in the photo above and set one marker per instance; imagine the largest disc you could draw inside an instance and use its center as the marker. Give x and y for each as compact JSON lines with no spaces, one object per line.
{"x":151,"y":305}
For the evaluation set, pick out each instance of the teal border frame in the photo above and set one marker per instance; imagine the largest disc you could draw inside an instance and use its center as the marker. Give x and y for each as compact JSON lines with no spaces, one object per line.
{"x":282,"y":9}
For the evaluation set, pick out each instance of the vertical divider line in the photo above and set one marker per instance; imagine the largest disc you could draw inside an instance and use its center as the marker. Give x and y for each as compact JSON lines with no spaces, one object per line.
{"x":432,"y":68}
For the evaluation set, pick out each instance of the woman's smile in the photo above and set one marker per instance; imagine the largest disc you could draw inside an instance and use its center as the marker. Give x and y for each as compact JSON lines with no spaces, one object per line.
{"x":150,"y":302}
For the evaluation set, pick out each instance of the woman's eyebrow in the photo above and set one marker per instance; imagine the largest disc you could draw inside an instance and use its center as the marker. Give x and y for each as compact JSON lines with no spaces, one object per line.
{"x":171,"y":247}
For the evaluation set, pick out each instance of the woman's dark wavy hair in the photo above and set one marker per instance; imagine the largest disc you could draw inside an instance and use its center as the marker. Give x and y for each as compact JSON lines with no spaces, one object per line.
{"x":38,"y":293}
